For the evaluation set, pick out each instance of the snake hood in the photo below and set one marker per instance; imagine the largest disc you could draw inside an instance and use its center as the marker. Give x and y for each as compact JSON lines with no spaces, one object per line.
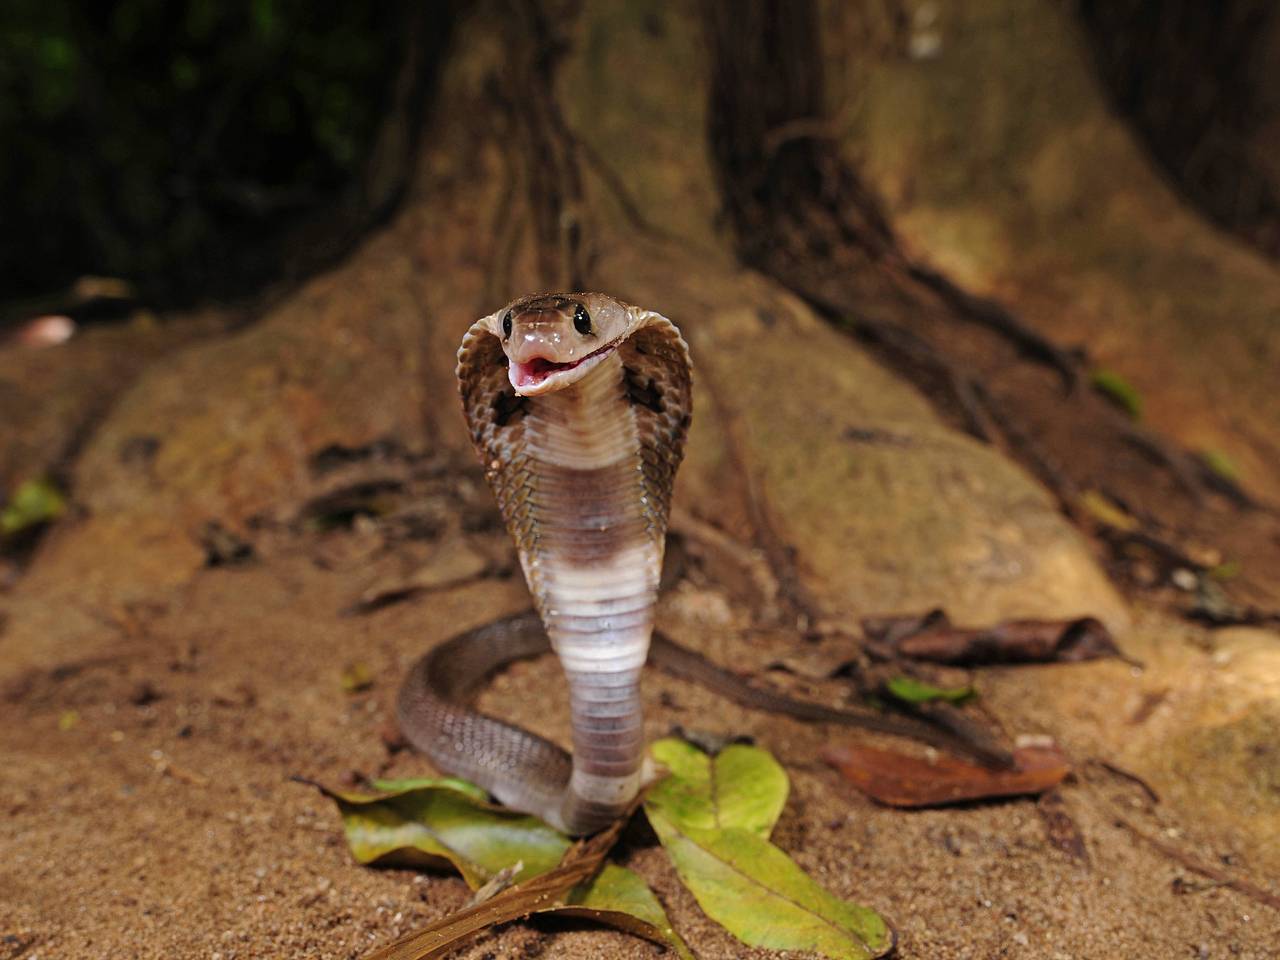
{"x":576,"y":395}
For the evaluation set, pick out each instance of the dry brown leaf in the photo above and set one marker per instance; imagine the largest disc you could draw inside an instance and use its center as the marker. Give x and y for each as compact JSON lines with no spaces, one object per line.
{"x":934,"y":638}
{"x":899,"y":780}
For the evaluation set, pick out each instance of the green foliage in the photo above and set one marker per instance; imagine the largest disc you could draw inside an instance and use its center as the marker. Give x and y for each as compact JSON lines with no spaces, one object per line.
{"x":712,"y":814}
{"x":429,"y":822}
{"x":33,"y":503}
{"x":741,"y":787}
{"x":1118,"y":390}
{"x":910,"y":690}
{"x":1220,"y":463}
{"x":435,"y":821}
{"x":761,"y":896}
{"x":1228,"y":570}
{"x":622,"y":899}
{"x":159,"y":141}
{"x":713,"y":818}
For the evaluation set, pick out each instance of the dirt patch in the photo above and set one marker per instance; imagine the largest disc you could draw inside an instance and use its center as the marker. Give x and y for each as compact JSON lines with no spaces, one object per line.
{"x":152,"y":815}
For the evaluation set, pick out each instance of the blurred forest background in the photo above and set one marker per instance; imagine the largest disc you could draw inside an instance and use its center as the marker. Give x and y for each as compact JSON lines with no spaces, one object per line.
{"x":984,"y":301}
{"x":182,"y":146}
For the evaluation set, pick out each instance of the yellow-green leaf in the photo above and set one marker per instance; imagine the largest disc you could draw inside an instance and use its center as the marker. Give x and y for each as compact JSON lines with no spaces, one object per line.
{"x":759,"y":894}
{"x":1220,"y":463}
{"x":1226,"y":570}
{"x":356,"y":677}
{"x":1119,"y":391}
{"x":33,"y":503}
{"x":741,"y":787}
{"x":413,"y":783}
{"x":620,"y":898}
{"x":912,"y":690}
{"x":1103,"y":510}
{"x":445,"y":821}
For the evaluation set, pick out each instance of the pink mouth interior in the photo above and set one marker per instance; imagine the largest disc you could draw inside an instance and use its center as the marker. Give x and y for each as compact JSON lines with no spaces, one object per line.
{"x":534,"y":371}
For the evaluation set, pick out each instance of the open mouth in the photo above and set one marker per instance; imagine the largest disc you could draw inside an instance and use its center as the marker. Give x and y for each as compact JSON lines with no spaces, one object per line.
{"x":538,"y":371}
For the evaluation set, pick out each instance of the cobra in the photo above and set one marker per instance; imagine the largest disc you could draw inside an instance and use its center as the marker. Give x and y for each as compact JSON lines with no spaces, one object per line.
{"x":578,"y":406}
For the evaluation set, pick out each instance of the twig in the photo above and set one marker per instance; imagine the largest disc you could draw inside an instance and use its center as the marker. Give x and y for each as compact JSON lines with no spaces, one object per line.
{"x":1228,"y":487}
{"x":1124,"y":774}
{"x":1167,"y":456}
{"x":580,"y":864}
{"x":1238,"y":884}
{"x":1171,"y":553}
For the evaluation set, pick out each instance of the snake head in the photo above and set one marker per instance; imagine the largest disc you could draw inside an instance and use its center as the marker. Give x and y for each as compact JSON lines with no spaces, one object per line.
{"x":552,"y":341}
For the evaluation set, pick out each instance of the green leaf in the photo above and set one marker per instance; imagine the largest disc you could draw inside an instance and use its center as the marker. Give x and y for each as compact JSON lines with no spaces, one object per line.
{"x":415,"y":783}
{"x":912,"y":690}
{"x":620,"y":898}
{"x":1220,"y":463}
{"x":741,"y":787}
{"x":435,"y":822}
{"x":713,"y":816}
{"x":1119,"y":391}
{"x":759,"y":894}
{"x":1227,"y":570}
{"x":428,"y":821}
{"x":1102,"y":509}
{"x":356,"y":677}
{"x":33,"y":503}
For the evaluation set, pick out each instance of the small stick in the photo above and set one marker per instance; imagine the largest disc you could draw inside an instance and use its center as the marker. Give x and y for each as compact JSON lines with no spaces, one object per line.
{"x":1246,"y":887}
{"x":581,"y":863}
{"x":1124,"y":774}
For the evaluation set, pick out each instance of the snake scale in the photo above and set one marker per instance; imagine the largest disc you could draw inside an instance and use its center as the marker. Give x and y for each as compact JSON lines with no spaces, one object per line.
{"x":578,"y":406}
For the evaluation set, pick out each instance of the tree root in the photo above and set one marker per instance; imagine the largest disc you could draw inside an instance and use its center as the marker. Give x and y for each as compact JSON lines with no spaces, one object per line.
{"x":803,"y":217}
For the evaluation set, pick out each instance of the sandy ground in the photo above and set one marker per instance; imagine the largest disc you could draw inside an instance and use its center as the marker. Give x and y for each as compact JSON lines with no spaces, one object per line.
{"x":148,"y":810}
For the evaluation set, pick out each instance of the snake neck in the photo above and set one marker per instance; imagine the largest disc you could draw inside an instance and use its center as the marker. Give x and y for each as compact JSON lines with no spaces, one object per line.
{"x":592,"y":563}
{"x":593,"y":567}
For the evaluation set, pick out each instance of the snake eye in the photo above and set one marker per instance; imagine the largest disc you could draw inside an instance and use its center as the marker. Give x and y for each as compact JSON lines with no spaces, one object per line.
{"x":582,"y":320}
{"x":506,"y":325}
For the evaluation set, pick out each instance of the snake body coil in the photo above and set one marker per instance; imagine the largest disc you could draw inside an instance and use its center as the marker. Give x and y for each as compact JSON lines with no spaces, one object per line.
{"x":578,"y":406}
